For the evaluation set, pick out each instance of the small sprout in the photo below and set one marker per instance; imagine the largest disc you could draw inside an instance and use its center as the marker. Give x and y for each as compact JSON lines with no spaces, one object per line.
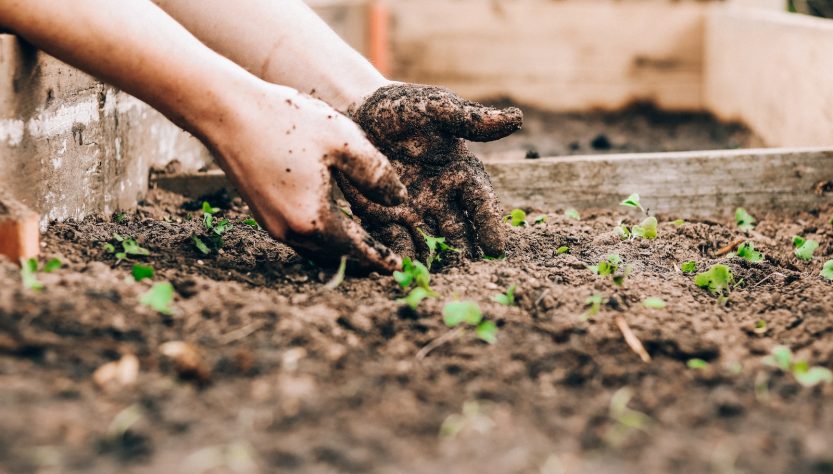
{"x":647,"y":229}
{"x":760,"y":326}
{"x":623,"y":232}
{"x":467,"y":312}
{"x":207,"y":209}
{"x":678,"y":222}
{"x":689,"y":266}
{"x":51,"y":265}
{"x":213,"y":238}
{"x":28,"y":274}
{"x":540,"y":219}
{"x":611,"y":267}
{"x":562,"y":249}
{"x":436,"y":247}
{"x":782,"y":358}
{"x":507,"y":298}
{"x":140,"y":272}
{"x":159,"y":297}
{"x":516,"y":217}
{"x":413,"y":272}
{"x":654,"y":303}
{"x":827,"y":270}
{"x":697,"y":364}
{"x":129,"y":248}
{"x":633,"y":201}
{"x":415,"y":297}
{"x":804,"y":248}
{"x":747,"y":252}
{"x":251,"y":222}
{"x":743,"y":219}
{"x":200,"y":245}
{"x":627,"y":419}
{"x":595,"y":305}
{"x":572,"y":214}
{"x":119,"y":217}
{"x":717,"y":279}
{"x":338,"y":278}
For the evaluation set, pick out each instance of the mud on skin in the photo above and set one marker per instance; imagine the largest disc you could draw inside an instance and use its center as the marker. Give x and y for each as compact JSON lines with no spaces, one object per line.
{"x":423,"y":129}
{"x":309,"y":380}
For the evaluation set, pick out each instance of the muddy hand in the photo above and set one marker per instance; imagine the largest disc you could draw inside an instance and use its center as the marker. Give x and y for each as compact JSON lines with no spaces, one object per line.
{"x":423,"y":129}
{"x":281,"y":158}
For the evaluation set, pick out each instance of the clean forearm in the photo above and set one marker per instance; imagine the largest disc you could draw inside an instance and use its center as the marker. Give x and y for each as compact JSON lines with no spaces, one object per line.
{"x":137,"y":47}
{"x":281,"y":41}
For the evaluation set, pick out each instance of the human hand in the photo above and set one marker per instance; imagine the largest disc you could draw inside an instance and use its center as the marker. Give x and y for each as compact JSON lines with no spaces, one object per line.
{"x":280,"y":150}
{"x":422,"y":130}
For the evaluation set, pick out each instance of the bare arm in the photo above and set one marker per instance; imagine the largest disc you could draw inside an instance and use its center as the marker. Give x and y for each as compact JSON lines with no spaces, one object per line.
{"x":281,"y":41}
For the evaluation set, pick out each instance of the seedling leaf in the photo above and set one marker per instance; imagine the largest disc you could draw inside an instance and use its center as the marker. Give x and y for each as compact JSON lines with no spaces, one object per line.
{"x":487,"y":331}
{"x":507,"y":298}
{"x":413,"y":272}
{"x":562,"y":249}
{"x":678,"y":222}
{"x":200,"y":245}
{"x":28,"y":274}
{"x":415,"y":297}
{"x":633,"y":201}
{"x":436,"y":247}
{"x":716,"y":279}
{"x":339,"y":276}
{"x":647,"y":229}
{"x":697,"y":364}
{"x":814,"y":376}
{"x":572,"y":214}
{"x":780,"y":357}
{"x":51,"y":265}
{"x":140,"y":272}
{"x":251,"y":222}
{"x":516,"y":217}
{"x":159,"y":297}
{"x":595,"y":303}
{"x":541,"y":219}
{"x":747,"y":252}
{"x":827,"y":270}
{"x":744,"y":220}
{"x":689,"y":266}
{"x":207,"y":209}
{"x":623,"y":232}
{"x":131,"y":247}
{"x":458,"y":312}
{"x":653,"y":303}
{"x":804,"y":248}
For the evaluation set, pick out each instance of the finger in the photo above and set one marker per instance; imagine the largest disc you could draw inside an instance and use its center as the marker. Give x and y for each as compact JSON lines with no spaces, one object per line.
{"x":454,"y":229}
{"x":480,"y":123}
{"x":482,"y":206}
{"x":398,"y":239}
{"x":371,"y":172}
{"x":339,"y":236}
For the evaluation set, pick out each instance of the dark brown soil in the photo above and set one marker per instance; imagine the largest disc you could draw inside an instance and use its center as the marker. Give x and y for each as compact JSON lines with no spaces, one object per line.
{"x":308,"y":380}
{"x":640,"y":128}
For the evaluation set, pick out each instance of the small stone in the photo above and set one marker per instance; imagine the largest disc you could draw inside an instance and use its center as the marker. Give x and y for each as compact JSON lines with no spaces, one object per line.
{"x":118,"y":374}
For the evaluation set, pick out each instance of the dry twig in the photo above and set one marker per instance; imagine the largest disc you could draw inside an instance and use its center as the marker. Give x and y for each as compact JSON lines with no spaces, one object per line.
{"x":632,"y":340}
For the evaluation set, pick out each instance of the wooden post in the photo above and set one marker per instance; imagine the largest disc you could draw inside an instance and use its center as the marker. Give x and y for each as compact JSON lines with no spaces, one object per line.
{"x":19,"y":230}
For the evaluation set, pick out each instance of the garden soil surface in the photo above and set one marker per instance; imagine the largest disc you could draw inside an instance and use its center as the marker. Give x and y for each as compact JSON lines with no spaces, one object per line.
{"x":277,"y":373}
{"x":639,"y":128}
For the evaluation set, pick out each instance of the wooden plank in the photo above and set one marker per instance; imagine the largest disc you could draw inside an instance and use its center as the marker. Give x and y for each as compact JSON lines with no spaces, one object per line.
{"x":771,"y":70}
{"x":706,"y":183}
{"x":565,"y":55}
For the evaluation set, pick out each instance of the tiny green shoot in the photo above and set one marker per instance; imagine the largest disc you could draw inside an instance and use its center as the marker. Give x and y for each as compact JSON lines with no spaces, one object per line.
{"x":251,"y":222}
{"x":572,"y":214}
{"x":130,"y":248}
{"x":654,"y":303}
{"x":468,"y":312}
{"x":743,"y":219}
{"x":159,"y":297}
{"x":562,"y":249}
{"x":689,"y":266}
{"x":436,"y":247}
{"x":51,"y":265}
{"x":28,"y":274}
{"x":212,"y":239}
{"x":516,"y":217}
{"x":697,"y":364}
{"x":612,"y":266}
{"x":747,"y":252}
{"x":338,"y":278}
{"x":804,"y":248}
{"x":541,"y":219}
{"x":633,"y":201}
{"x":827,"y":270}
{"x":760,"y":326}
{"x":119,"y":217}
{"x":647,"y":229}
{"x":507,"y":298}
{"x":413,"y":273}
{"x":623,"y":232}
{"x":594,"y":304}
{"x":140,"y":272}
{"x":415,"y":297}
{"x":717,"y":279}
{"x":678,"y":222}
{"x":627,"y":420}
{"x":781,"y":357}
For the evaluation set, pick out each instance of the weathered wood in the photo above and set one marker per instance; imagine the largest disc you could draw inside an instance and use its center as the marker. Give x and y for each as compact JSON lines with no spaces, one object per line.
{"x":19,"y":230}
{"x":773,"y":71}
{"x":706,"y":183}
{"x":556,"y":55}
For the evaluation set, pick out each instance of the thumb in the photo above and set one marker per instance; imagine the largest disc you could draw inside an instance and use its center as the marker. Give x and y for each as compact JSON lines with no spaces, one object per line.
{"x":480,"y":123}
{"x":371,"y":172}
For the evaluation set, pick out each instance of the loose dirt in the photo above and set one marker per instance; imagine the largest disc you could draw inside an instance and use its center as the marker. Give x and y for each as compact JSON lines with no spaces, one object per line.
{"x":639,"y":128}
{"x":296,"y":378}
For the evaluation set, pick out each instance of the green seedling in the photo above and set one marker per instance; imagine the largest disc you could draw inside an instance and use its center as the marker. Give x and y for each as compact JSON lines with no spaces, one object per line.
{"x":647,"y":229}
{"x":760,"y":326}
{"x":159,"y":297}
{"x":507,"y":298}
{"x":747,"y":252}
{"x":119,"y":217}
{"x":717,"y":279}
{"x":633,"y":201}
{"x":562,"y":249}
{"x":251,"y":222}
{"x":623,"y":232}
{"x":140,"y":272}
{"x":413,"y":273}
{"x":654,"y":303}
{"x":415,"y":297}
{"x":212,"y":239}
{"x":827,"y":270}
{"x":572,"y":214}
{"x":678,"y":222}
{"x":467,"y":312}
{"x":689,"y":266}
{"x":338,"y":278}
{"x":516,"y":217}
{"x":29,"y":270}
{"x":804,"y":248}
{"x":781,"y":357}
{"x":743,"y":219}
{"x":612,"y":267}
{"x":697,"y":364}
{"x":130,"y":248}
{"x":627,"y":420}
{"x":540,"y":219}
{"x":594,"y":304}
{"x":436,"y":247}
